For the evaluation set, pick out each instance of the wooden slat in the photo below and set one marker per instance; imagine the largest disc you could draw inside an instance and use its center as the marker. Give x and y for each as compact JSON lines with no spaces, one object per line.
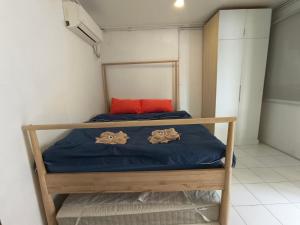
{"x":153,"y":181}
{"x":132,"y":123}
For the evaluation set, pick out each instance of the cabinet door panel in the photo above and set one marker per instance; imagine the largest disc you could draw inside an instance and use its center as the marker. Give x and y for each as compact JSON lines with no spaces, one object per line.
{"x":232,"y":23}
{"x":252,"y":83}
{"x":258,"y":22}
{"x":230,"y":57}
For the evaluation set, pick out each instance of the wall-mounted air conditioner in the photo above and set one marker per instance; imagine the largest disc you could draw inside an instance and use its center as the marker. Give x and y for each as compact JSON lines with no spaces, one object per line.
{"x":80,"y":22}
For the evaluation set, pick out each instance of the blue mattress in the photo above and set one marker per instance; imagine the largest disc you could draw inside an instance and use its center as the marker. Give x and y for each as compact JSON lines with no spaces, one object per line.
{"x":78,"y":152}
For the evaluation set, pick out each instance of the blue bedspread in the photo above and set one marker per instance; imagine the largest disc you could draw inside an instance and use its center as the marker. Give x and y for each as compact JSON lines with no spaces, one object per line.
{"x":78,"y":152}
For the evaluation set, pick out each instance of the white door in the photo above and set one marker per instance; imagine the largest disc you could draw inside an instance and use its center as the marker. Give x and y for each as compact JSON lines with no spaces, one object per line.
{"x":230,"y":57}
{"x":258,"y":22}
{"x":252,"y":83}
{"x":232,"y":23}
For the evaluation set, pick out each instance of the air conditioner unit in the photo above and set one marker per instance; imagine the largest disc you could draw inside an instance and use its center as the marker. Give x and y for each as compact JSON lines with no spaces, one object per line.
{"x":80,"y":22}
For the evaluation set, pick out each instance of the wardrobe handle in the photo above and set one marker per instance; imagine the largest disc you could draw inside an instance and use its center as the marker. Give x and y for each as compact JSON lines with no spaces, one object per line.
{"x":240,"y":93}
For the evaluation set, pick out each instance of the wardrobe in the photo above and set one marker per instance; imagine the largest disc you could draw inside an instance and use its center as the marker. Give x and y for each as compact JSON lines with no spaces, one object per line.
{"x":235,"y":47}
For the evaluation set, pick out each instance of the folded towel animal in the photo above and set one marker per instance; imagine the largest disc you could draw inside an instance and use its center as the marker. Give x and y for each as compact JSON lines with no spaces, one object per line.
{"x":164,"y":136}
{"x":112,"y":138}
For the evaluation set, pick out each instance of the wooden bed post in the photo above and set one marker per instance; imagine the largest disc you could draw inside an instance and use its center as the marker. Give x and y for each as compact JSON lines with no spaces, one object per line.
{"x":177,"y":97}
{"x":48,"y":203}
{"x":225,"y":200}
{"x":105,"y":90}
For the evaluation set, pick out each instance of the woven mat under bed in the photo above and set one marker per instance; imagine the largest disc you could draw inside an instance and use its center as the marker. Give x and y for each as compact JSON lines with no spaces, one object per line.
{"x":140,"y":209}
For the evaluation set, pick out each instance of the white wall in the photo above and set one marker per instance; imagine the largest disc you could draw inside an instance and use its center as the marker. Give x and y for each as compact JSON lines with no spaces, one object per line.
{"x":280,"y":125}
{"x":280,"y":120}
{"x":162,"y":44}
{"x":190,"y":64}
{"x":283,"y":79}
{"x":47,"y":74}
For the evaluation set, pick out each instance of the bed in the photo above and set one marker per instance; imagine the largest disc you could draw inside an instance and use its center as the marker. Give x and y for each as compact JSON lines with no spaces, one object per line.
{"x":160,"y":168}
{"x":78,"y":152}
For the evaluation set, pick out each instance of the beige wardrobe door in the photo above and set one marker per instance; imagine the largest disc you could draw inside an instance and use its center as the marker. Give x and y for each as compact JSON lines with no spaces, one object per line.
{"x":252,"y":83}
{"x":209,"y":68}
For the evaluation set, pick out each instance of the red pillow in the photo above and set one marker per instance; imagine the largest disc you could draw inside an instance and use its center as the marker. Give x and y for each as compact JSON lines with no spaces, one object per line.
{"x":121,"y":106}
{"x":156,"y":105}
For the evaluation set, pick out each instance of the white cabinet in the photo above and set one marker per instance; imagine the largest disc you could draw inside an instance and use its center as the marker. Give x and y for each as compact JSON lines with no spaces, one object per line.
{"x":234,"y":73}
{"x":230,"y":57}
{"x":232,"y":23}
{"x":252,"y":84}
{"x":258,"y":23}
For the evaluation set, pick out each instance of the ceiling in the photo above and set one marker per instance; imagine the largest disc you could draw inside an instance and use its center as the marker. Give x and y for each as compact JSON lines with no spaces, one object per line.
{"x":124,"y":14}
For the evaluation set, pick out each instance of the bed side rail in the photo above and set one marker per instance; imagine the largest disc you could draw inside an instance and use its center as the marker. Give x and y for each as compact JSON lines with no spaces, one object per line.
{"x":133,"y":123}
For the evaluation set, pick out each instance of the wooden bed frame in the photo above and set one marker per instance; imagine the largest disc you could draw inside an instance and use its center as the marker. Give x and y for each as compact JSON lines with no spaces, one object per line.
{"x":152,"y":181}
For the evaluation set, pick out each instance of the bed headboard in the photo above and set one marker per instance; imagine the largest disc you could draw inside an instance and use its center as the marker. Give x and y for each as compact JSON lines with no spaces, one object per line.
{"x":141,"y":79}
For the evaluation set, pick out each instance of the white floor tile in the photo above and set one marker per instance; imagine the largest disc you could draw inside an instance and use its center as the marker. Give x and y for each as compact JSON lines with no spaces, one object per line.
{"x":278,"y":161}
{"x":246,"y":176}
{"x":240,"y":153}
{"x":235,"y":218}
{"x":297,"y":184}
{"x":287,"y":160}
{"x":289,"y":190}
{"x":260,"y":150}
{"x":240,"y":164}
{"x":268,"y":174}
{"x":213,"y":223}
{"x":241,"y":196}
{"x":297,"y":205}
{"x":234,"y":180}
{"x":287,"y":214}
{"x":256,"y":215}
{"x":250,"y":162}
{"x":269,"y":188}
{"x":266,"y":194}
{"x":291,"y":173}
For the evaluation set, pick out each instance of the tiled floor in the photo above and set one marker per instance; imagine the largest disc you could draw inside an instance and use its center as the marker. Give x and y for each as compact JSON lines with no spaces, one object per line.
{"x":265,"y":187}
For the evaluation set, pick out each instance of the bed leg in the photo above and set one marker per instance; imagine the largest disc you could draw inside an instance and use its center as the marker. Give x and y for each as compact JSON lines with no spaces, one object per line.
{"x":225,"y":207}
{"x":48,"y":202}
{"x":225,"y":200}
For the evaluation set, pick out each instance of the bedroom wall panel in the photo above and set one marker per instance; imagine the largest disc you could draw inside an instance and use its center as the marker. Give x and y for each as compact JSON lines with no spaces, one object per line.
{"x":190,"y":70}
{"x":280,"y":125}
{"x":140,"y":45}
{"x":158,"y":44}
{"x":142,"y":81}
{"x":47,"y":75}
{"x":280,"y":121}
